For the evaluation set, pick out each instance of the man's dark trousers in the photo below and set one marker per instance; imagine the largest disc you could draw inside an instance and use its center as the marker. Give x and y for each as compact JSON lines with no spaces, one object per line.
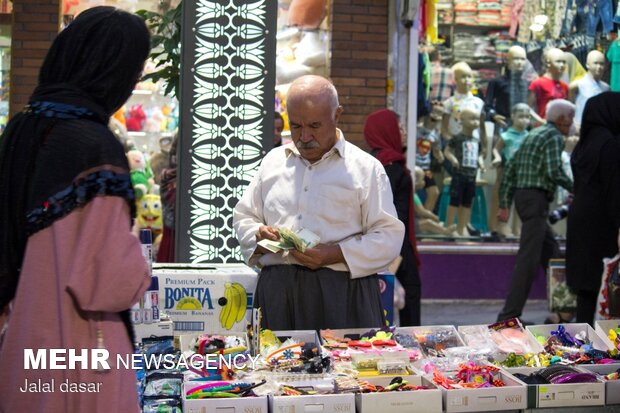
{"x":536,"y":246}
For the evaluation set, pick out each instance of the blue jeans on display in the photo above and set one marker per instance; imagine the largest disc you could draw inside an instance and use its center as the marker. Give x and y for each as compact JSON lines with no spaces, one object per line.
{"x":579,"y":20}
{"x":600,"y":10}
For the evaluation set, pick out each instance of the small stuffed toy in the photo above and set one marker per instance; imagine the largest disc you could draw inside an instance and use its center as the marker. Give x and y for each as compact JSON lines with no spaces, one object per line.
{"x":119,"y":115}
{"x":150,"y":213}
{"x":135,"y":120}
{"x":155,"y":121}
{"x":141,"y":175}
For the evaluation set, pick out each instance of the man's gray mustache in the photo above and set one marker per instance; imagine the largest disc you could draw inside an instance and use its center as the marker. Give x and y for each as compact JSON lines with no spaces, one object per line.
{"x":307,"y":145}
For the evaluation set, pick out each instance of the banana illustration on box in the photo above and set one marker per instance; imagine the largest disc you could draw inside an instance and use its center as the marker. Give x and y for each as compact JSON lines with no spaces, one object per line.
{"x":234,"y":308}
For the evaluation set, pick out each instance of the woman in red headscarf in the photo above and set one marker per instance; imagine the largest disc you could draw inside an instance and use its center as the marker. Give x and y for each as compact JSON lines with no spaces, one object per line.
{"x":385,"y":137}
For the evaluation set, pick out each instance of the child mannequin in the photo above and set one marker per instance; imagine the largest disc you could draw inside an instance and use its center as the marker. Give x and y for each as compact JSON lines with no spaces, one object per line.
{"x":428,"y":147}
{"x":463,"y":152}
{"x":506,"y":91}
{"x":590,"y":85}
{"x":425,"y":219}
{"x":463,"y":98}
{"x":505,"y":148}
{"x":548,"y":86}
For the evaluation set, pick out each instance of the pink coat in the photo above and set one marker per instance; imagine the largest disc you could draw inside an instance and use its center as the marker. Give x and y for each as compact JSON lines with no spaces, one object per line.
{"x":76,"y":276}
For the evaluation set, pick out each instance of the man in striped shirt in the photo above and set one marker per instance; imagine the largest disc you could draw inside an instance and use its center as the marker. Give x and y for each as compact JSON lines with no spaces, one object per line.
{"x":531,"y":178}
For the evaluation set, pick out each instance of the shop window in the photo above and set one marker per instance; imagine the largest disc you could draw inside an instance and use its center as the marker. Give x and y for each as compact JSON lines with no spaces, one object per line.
{"x":481,"y":34}
{"x":303,"y":40}
{"x":5,"y":66}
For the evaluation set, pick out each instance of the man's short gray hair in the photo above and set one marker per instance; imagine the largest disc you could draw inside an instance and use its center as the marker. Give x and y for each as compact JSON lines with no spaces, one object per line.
{"x":558,"y":108}
{"x":332,"y":93}
{"x":316,"y":86}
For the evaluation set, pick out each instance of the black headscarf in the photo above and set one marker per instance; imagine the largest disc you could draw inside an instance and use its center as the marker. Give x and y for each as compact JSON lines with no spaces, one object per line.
{"x":88,"y":73}
{"x":599,"y":125}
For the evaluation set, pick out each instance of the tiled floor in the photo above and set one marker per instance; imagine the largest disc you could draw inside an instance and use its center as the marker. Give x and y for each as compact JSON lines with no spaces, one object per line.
{"x":438,"y":312}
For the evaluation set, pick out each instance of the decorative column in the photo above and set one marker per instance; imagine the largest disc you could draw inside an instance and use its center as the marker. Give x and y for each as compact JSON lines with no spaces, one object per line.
{"x":227,"y":94}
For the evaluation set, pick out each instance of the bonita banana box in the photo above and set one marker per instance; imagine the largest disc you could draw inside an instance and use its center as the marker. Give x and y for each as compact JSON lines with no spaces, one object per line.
{"x":206,"y":297}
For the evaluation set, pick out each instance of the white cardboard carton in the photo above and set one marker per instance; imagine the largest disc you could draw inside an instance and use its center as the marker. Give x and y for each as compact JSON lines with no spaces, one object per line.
{"x":324,"y":403}
{"x":231,"y":405}
{"x":602,"y":328}
{"x":572,"y":328}
{"x":612,"y":387}
{"x":186,"y":341}
{"x":513,"y":396}
{"x":563,"y":395}
{"x":429,"y":401}
{"x":160,"y":329}
{"x":193,"y":295}
{"x":598,"y":342}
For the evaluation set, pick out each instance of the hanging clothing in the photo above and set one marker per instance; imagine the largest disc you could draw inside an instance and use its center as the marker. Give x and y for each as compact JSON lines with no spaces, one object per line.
{"x":613,"y":55}
{"x":600,"y":11}
{"x":530,"y":9}
{"x":442,"y":83}
{"x":431,"y":21}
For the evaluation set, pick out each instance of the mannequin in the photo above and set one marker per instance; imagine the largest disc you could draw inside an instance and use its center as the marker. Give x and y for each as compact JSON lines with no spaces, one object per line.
{"x":589,"y":85}
{"x":465,"y":155}
{"x":503,"y":151}
{"x":548,"y":86}
{"x":427,"y":221}
{"x":429,"y":146}
{"x":508,"y":90}
{"x":463,"y":98}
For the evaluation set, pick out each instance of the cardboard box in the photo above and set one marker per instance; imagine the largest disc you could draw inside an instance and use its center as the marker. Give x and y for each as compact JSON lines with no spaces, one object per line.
{"x":572,"y":328}
{"x":429,"y":401}
{"x":562,"y":395}
{"x":186,"y":341}
{"x":232,"y":405}
{"x":598,"y":342}
{"x":513,"y":396}
{"x":161,"y":329}
{"x":306,"y":336}
{"x":324,"y":403}
{"x":194,"y":296}
{"x":602,"y":328}
{"x":612,"y":387}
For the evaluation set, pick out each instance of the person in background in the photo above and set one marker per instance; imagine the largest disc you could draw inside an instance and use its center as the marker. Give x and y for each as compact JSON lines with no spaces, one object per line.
{"x":593,"y":228}
{"x":332,"y":188}
{"x":531,"y":178}
{"x":69,"y":265}
{"x":278,"y":126}
{"x":383,"y":135}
